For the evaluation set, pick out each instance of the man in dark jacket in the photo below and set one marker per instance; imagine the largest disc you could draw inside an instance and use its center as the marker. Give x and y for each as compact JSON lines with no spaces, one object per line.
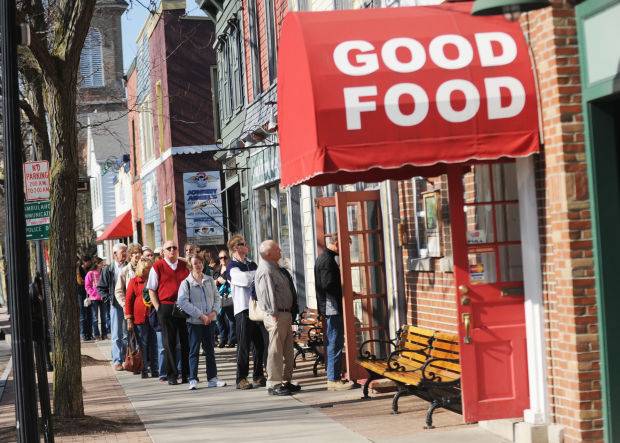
{"x":329,"y":299}
{"x":105,"y":287}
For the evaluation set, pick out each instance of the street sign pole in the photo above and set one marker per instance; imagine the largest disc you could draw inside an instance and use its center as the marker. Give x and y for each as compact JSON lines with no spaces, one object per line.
{"x":17,"y":281}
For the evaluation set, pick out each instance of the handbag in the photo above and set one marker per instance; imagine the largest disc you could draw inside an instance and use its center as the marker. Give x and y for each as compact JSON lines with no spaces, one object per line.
{"x":133,"y":358}
{"x":256,"y":313}
{"x":177,"y":312}
{"x":227,"y":301}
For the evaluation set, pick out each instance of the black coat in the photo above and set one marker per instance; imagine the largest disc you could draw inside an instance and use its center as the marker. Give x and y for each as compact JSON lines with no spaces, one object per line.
{"x":106,"y":285}
{"x":327,"y":281}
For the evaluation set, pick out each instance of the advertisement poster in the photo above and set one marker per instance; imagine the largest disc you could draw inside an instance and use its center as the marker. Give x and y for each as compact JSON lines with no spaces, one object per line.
{"x":203,"y":207}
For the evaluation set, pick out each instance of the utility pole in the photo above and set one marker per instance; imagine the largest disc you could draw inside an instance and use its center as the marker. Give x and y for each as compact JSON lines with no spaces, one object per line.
{"x":21,"y":320}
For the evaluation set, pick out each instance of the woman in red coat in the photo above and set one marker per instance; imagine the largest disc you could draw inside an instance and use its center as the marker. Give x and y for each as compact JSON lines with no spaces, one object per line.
{"x":137,"y":314}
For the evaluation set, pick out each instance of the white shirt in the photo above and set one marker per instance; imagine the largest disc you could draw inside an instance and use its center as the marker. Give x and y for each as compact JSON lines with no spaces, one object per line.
{"x":240,"y":288}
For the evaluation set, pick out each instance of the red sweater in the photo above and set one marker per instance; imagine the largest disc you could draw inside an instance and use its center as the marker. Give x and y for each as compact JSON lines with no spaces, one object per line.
{"x":169,"y":280}
{"x":134,"y":304}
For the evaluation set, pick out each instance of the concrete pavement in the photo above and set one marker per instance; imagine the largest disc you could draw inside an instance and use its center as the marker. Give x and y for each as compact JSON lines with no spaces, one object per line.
{"x":174,"y":414}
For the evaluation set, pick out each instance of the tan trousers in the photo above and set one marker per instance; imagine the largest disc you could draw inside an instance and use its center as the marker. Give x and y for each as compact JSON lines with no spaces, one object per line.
{"x":281,"y":349}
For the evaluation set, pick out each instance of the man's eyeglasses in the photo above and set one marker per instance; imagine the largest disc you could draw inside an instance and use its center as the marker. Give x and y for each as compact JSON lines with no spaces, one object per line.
{"x":172,"y":248}
{"x":241,"y":244}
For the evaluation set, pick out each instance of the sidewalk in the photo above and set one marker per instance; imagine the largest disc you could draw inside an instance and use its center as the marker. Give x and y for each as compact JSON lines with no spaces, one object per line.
{"x":132,"y":409}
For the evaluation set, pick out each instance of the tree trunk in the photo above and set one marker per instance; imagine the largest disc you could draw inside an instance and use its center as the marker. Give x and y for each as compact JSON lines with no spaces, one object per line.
{"x":60,"y":103}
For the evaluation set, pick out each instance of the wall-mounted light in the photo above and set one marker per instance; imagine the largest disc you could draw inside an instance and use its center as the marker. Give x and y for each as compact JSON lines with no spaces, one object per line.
{"x":511,"y":9}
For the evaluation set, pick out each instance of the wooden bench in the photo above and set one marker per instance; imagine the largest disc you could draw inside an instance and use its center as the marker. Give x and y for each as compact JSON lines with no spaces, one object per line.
{"x":422,"y":362}
{"x":308,"y":336}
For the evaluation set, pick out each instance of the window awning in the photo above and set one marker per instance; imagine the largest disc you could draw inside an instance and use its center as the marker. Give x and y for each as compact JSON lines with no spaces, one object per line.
{"x":119,"y":228}
{"x":390,"y":93}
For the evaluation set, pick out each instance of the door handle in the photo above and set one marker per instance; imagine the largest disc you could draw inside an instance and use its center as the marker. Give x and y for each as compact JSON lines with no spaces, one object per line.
{"x":467,"y":323}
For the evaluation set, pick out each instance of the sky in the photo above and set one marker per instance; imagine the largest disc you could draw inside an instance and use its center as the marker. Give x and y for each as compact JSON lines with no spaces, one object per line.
{"x":132,"y":21}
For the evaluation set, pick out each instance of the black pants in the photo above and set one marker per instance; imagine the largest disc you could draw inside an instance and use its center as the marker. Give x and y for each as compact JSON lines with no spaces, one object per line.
{"x":170,"y":327}
{"x":248,"y":332}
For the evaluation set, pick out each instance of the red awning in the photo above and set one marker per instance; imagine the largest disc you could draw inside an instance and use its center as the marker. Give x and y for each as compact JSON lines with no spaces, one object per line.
{"x":375,"y":94}
{"x":119,"y":228}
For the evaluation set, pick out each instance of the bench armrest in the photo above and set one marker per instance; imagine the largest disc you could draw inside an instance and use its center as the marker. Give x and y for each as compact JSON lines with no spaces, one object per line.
{"x":365,"y":354}
{"x":394,"y":364}
{"x":428,"y":374}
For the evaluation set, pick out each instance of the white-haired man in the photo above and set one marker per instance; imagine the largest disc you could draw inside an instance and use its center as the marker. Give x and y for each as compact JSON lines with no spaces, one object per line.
{"x":276,"y":297}
{"x":105,"y":287}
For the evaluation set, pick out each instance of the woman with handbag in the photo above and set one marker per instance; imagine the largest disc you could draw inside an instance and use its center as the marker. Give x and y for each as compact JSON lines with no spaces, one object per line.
{"x":199,"y":298}
{"x":137,"y":316}
{"x":97,"y":307}
{"x":226,"y":315}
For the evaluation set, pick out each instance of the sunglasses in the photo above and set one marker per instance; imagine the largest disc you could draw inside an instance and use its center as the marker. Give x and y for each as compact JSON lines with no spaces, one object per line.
{"x":241,"y":244}
{"x":223,"y":257}
{"x":172,"y":248}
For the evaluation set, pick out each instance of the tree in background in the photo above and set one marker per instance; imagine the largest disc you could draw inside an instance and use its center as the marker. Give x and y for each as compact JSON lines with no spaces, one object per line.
{"x":49,"y":69}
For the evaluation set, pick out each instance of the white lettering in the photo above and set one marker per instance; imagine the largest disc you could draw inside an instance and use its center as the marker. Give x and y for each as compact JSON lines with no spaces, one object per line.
{"x":465,"y":51}
{"x":444,"y":105}
{"x":368,"y":63}
{"x":354,"y":107}
{"x":485,"y":49}
{"x":392,"y":108}
{"x":493,"y":87}
{"x":418,"y":55}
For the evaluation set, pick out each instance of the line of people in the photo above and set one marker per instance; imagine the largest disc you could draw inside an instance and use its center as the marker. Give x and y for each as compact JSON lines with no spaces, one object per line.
{"x":172,"y":305}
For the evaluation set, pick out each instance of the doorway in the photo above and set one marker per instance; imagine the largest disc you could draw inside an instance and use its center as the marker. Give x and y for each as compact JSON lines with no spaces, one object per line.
{"x":488,"y":271}
{"x":356,"y":217}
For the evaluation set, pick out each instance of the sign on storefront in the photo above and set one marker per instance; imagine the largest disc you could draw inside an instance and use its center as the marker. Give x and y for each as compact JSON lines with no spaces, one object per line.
{"x":265,"y":167}
{"x":203,"y":207}
{"x":37,"y":220}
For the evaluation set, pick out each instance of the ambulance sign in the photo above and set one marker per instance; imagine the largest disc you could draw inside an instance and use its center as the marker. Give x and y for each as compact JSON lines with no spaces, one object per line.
{"x":37,"y":180}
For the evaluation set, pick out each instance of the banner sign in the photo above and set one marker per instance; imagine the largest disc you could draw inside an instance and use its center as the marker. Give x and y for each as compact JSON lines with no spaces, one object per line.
{"x":203,"y":208}
{"x":37,"y":220}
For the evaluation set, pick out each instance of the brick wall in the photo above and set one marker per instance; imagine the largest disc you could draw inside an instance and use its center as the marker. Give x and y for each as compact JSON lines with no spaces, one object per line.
{"x":566,"y":238}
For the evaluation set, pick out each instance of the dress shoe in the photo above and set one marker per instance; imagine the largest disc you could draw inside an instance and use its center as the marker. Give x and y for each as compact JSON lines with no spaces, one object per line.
{"x":292,"y":387}
{"x":279,"y":390}
{"x":262,"y":382}
{"x":221,"y":345}
{"x":118,"y":367}
{"x":184,"y":380}
{"x":173,"y":381}
{"x":244,"y":384}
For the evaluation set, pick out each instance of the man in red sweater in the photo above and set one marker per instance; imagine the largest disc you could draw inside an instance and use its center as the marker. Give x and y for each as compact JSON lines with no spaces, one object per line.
{"x":163,"y":284}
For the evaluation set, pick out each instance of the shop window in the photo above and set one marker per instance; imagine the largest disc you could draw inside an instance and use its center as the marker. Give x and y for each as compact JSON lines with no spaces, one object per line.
{"x":169,"y":222}
{"x":272,"y":213}
{"x":420,"y":244}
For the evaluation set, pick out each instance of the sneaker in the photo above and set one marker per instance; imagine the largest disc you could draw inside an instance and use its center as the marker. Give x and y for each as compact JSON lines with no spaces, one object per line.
{"x":339,"y":385}
{"x":279,"y":390}
{"x":293,"y":387}
{"x":163,"y":379}
{"x":262,"y":382}
{"x":193,"y":384}
{"x":216,"y":383}
{"x":244,"y":384}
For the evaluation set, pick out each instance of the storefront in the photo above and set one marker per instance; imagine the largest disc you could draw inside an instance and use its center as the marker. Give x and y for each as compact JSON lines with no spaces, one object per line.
{"x":598,"y":25}
{"x":452,"y":98}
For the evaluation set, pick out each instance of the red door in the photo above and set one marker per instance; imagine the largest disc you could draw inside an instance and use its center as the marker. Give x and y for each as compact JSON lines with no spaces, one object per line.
{"x":356,"y":216}
{"x":484,"y":212}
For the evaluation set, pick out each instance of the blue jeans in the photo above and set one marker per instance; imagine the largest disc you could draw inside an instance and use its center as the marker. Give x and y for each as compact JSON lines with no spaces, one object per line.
{"x":86,"y":317}
{"x":226,"y":325}
{"x":99,"y":309}
{"x":148,"y":347}
{"x":118,"y":334}
{"x":334,"y":341}
{"x":201,"y":334}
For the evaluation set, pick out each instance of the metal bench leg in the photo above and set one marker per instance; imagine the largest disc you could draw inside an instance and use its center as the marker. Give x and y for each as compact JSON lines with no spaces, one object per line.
{"x":315,"y":368}
{"x":371,"y":376}
{"x":401,"y":390}
{"x":429,"y":414}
